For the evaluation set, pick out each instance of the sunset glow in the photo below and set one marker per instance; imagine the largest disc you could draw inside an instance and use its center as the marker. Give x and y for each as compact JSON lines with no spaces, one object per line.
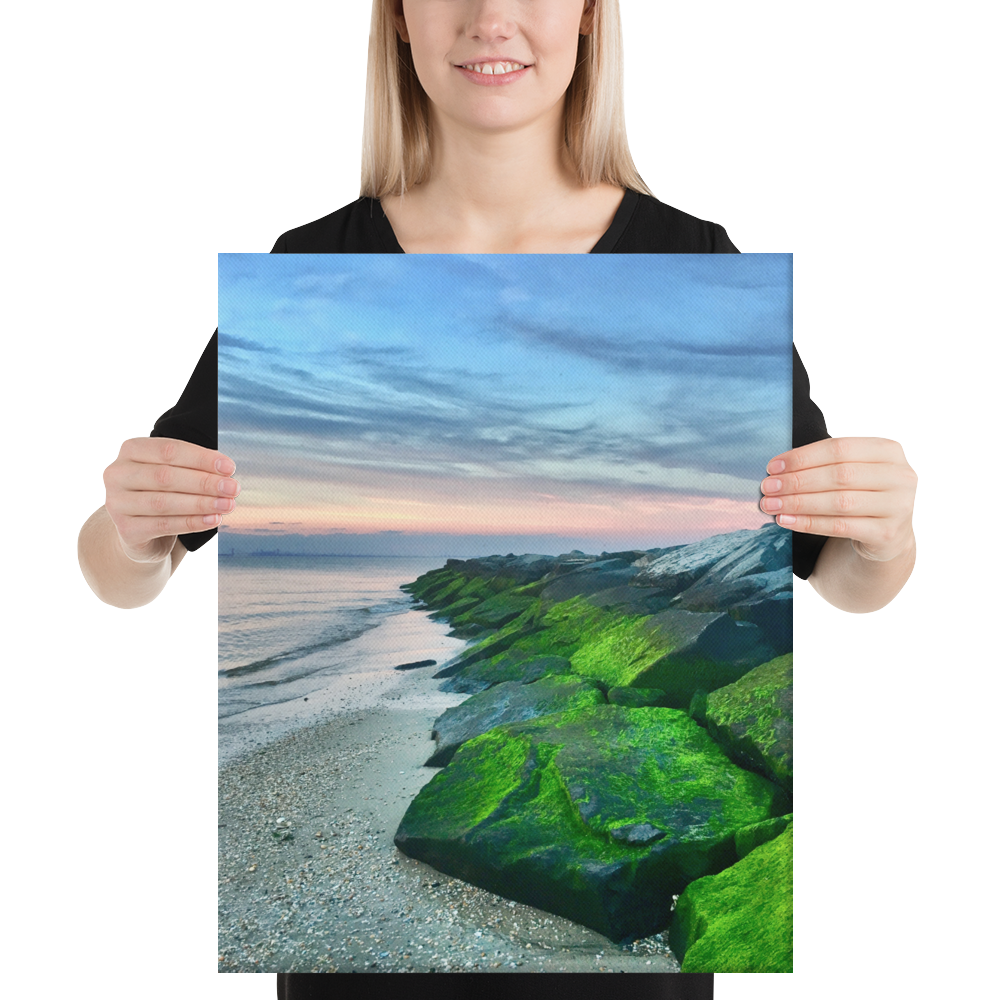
{"x":486,"y":396}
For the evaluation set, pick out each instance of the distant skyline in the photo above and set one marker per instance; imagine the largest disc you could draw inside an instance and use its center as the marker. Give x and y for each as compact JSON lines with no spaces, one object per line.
{"x":628,"y":401}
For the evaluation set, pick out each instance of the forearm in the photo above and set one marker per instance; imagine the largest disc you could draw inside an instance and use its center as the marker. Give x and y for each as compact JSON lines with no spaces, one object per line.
{"x":853,"y":583}
{"x":111,"y":575}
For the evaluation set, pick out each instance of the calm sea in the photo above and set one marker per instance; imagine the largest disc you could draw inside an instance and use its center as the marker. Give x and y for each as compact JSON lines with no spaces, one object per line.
{"x":304,"y":638}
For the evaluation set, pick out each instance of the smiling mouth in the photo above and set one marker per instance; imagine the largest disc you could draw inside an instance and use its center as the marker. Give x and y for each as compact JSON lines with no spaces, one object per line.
{"x":493,"y":69}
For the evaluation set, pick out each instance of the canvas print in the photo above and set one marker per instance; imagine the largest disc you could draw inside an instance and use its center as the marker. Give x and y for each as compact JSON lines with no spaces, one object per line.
{"x":505,"y":642}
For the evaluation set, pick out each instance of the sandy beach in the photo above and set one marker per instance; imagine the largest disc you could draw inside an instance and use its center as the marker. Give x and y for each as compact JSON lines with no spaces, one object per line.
{"x":310,"y":880}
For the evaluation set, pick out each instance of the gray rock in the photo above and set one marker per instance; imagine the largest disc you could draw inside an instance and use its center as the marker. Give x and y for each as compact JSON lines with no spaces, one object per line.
{"x":509,"y":701}
{"x":588,"y":579}
{"x":632,"y":600}
{"x":719,"y":559}
{"x":415,"y":664}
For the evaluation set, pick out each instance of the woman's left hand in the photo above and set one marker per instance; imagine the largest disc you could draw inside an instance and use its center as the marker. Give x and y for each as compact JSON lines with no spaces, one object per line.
{"x":852,"y":487}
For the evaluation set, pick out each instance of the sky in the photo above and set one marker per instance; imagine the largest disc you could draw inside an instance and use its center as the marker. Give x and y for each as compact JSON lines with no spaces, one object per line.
{"x":618,"y":401}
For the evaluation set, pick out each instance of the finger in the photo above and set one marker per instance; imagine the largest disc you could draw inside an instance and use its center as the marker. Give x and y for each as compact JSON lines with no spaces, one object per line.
{"x":173,"y":452}
{"x":849,"y":503}
{"x":172,"y":479}
{"x":153,"y":490}
{"x":862,"y":529}
{"x":845,"y":476}
{"x":832,"y":451}
{"x":156,"y":503}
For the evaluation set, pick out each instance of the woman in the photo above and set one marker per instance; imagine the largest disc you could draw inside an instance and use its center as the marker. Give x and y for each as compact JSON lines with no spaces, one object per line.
{"x":530,"y":159}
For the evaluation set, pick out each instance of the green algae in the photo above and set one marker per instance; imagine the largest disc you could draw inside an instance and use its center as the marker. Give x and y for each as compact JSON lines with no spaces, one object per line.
{"x":618,"y":650}
{"x":751,"y":837}
{"x":759,"y":688}
{"x":753,"y":718}
{"x":498,"y":610}
{"x":599,"y":818}
{"x":590,"y":774}
{"x":739,"y":920}
{"x":599,"y":644}
{"x":492,"y":773}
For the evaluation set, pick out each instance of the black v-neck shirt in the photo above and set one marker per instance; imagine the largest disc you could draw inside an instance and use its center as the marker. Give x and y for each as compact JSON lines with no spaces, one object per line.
{"x":641,"y":225}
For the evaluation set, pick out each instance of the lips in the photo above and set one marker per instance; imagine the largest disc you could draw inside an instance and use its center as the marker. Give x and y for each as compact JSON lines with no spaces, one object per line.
{"x":482,"y":60}
{"x":486,"y":80}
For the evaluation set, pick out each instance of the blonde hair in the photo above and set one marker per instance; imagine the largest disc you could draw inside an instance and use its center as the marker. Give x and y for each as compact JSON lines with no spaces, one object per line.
{"x":396,"y":143}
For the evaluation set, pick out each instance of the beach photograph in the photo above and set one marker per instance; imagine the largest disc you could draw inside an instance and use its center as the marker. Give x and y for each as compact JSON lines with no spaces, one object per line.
{"x":505,"y":642}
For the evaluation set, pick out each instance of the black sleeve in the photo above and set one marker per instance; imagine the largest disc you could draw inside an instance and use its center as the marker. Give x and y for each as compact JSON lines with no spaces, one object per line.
{"x":195,"y":418}
{"x":657,"y":986}
{"x":808,"y":425}
{"x":721,"y":243}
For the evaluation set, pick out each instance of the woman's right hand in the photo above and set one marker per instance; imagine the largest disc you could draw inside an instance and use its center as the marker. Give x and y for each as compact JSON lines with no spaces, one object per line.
{"x":159,"y":488}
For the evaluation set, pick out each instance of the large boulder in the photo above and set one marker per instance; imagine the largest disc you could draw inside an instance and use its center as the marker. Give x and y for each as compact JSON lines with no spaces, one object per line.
{"x":494,"y":612}
{"x":679,"y":652}
{"x":752,"y":719}
{"x":772,"y":615}
{"x":597,"y":814}
{"x":739,"y":920}
{"x":589,"y":579}
{"x":719,"y":559}
{"x":509,"y":701}
{"x":628,"y":600}
{"x":514,"y":665}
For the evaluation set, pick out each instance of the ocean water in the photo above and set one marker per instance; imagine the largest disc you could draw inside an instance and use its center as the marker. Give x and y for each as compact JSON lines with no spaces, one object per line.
{"x":302,"y":638}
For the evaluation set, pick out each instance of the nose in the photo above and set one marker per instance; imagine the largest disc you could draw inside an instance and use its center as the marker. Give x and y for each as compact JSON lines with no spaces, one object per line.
{"x":490,"y":20}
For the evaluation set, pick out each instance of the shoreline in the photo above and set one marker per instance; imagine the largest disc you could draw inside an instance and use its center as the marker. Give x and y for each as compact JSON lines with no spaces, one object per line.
{"x":310,"y":880}
{"x":366,"y":681}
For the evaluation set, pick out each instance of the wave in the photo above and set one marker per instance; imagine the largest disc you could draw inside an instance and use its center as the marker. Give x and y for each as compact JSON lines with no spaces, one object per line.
{"x":344,"y":635}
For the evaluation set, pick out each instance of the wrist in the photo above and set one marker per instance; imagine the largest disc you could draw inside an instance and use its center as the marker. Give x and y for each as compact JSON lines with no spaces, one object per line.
{"x":899,"y":550}
{"x":155,"y":552}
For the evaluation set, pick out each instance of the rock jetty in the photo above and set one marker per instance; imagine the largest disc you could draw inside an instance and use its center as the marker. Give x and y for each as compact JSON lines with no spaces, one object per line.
{"x":626,"y":742}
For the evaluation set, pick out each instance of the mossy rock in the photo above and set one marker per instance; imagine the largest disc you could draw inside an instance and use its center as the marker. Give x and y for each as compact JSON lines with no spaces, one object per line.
{"x":751,"y":837}
{"x":497,"y":611}
{"x":441,"y":588}
{"x":701,"y":652}
{"x":752,"y":719}
{"x":515,"y":666}
{"x":435,"y":587}
{"x":456,"y":608}
{"x":739,"y":920}
{"x":637,"y":697}
{"x":678,"y":652}
{"x":597,"y":814}
{"x":509,"y":701}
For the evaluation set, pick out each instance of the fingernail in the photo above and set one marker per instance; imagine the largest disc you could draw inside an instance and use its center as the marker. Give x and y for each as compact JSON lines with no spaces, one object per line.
{"x":771,"y":503}
{"x":210,"y":519}
{"x":229,"y":487}
{"x":224,"y":466}
{"x":775,"y":467}
{"x":786,"y":519}
{"x":224,"y":504}
{"x":770,"y":485}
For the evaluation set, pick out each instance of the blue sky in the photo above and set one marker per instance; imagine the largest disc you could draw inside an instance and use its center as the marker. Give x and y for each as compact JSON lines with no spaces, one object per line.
{"x":628,"y":398}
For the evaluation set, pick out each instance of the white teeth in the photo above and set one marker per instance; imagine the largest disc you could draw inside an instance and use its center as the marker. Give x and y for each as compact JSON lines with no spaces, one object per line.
{"x":495,"y":69}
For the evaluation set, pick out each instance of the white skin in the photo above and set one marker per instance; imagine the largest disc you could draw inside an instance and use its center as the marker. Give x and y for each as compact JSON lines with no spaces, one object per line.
{"x":498,"y":172}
